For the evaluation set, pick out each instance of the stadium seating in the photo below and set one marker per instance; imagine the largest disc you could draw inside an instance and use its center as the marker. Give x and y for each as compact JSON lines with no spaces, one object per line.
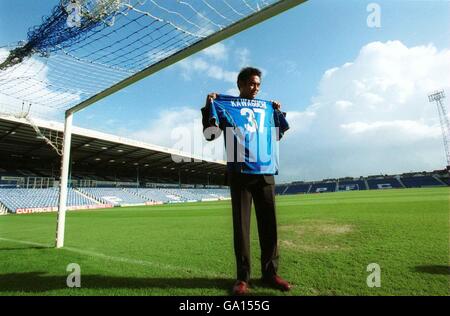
{"x":280,"y":189}
{"x":128,"y":196}
{"x":351,"y":185}
{"x":15,"y":199}
{"x":384,"y":183}
{"x":420,"y":181}
{"x":158,"y":195}
{"x":297,"y":188}
{"x":198,"y":194}
{"x":445,"y":179}
{"x":210,"y":194}
{"x":114,"y":196}
{"x":323,"y":187}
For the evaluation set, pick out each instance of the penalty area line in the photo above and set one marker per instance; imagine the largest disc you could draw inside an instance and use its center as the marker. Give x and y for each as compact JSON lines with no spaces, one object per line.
{"x":119,"y":259}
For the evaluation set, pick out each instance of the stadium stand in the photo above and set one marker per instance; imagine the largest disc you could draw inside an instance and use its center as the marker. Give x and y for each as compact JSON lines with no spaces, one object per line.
{"x":281,"y":189}
{"x":383,"y":183}
{"x":206,"y":194}
{"x":114,"y":171}
{"x":26,"y":194}
{"x":297,"y":188}
{"x":114,"y":196}
{"x":408,"y":180}
{"x":158,"y":196}
{"x":19,"y":200}
{"x":323,"y":187}
{"x":140,"y":196}
{"x":197,"y":194}
{"x":16,"y":198}
{"x":351,"y":185}
{"x":445,"y":179}
{"x":181,"y":195}
{"x":420,"y":181}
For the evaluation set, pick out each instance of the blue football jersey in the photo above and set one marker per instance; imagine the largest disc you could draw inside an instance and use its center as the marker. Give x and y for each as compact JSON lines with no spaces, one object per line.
{"x":251,"y":129}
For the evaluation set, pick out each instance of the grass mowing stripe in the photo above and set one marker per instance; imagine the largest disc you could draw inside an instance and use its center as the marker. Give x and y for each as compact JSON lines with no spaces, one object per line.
{"x":117,"y":259}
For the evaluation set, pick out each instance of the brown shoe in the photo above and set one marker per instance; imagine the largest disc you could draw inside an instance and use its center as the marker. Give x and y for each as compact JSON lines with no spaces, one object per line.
{"x":277,"y":282}
{"x":240,"y":288}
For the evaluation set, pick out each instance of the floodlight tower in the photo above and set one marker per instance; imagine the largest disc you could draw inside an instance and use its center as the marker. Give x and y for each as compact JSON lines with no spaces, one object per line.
{"x":437,"y":97}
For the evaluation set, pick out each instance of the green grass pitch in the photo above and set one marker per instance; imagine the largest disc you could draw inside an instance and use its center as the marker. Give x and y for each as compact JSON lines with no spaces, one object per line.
{"x":326,"y":243}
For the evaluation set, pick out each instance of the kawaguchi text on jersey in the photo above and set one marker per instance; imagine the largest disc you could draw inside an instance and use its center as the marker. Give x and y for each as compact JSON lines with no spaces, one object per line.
{"x":252,"y":129}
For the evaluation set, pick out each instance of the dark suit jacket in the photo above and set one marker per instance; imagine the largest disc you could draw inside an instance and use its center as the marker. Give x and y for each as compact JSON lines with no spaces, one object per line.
{"x":212,"y":132}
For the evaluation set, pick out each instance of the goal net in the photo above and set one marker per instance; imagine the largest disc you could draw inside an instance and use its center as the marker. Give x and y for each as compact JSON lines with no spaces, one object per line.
{"x":87,"y":46}
{"x":85,"y":50}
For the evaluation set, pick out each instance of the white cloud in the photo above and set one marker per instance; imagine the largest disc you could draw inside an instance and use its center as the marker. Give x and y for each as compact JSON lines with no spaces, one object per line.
{"x":199,"y":65}
{"x":212,"y":61}
{"x":218,"y":73}
{"x":343,"y":104}
{"x":405,"y":129}
{"x":216,"y":52}
{"x":28,"y":83}
{"x":289,"y":66}
{"x":244,"y":57}
{"x":233,"y":91}
{"x":370,"y":116}
{"x":159,"y":130}
{"x":180,"y":128}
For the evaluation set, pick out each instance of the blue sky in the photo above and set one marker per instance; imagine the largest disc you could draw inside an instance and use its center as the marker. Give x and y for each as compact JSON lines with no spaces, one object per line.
{"x":295,"y":50}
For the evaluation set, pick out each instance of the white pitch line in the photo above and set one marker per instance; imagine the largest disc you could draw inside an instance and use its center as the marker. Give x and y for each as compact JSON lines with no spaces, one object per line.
{"x":120,"y":259}
{"x":26,"y":242}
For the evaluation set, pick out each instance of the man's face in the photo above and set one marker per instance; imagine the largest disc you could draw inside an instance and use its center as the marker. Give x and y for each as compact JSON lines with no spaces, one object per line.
{"x":249,"y":89}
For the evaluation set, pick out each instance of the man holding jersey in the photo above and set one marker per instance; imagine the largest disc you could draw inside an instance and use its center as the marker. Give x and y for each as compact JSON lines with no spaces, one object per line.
{"x":251,"y":129}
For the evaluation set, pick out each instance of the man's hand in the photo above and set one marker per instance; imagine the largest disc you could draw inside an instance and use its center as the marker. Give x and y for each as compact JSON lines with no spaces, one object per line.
{"x":210,"y":97}
{"x":210,"y":130}
{"x":276,"y":105}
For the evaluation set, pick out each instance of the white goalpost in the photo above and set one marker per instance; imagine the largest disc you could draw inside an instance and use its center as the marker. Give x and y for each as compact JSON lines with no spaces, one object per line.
{"x":64,"y":183}
{"x":110,"y":45}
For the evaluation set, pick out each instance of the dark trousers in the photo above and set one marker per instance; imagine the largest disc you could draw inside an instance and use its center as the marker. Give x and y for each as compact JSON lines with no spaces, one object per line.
{"x":243,"y":188}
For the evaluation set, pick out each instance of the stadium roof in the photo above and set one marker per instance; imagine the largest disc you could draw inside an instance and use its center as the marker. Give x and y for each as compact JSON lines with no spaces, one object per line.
{"x":19,"y":141}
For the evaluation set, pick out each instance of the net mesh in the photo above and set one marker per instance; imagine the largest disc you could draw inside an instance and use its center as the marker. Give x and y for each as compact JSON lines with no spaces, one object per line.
{"x":66,"y":60}
{"x":87,"y":46}
{"x":52,"y":138}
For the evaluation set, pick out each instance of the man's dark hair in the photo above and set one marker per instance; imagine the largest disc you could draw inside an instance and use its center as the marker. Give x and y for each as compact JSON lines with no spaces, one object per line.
{"x":246,"y":73}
